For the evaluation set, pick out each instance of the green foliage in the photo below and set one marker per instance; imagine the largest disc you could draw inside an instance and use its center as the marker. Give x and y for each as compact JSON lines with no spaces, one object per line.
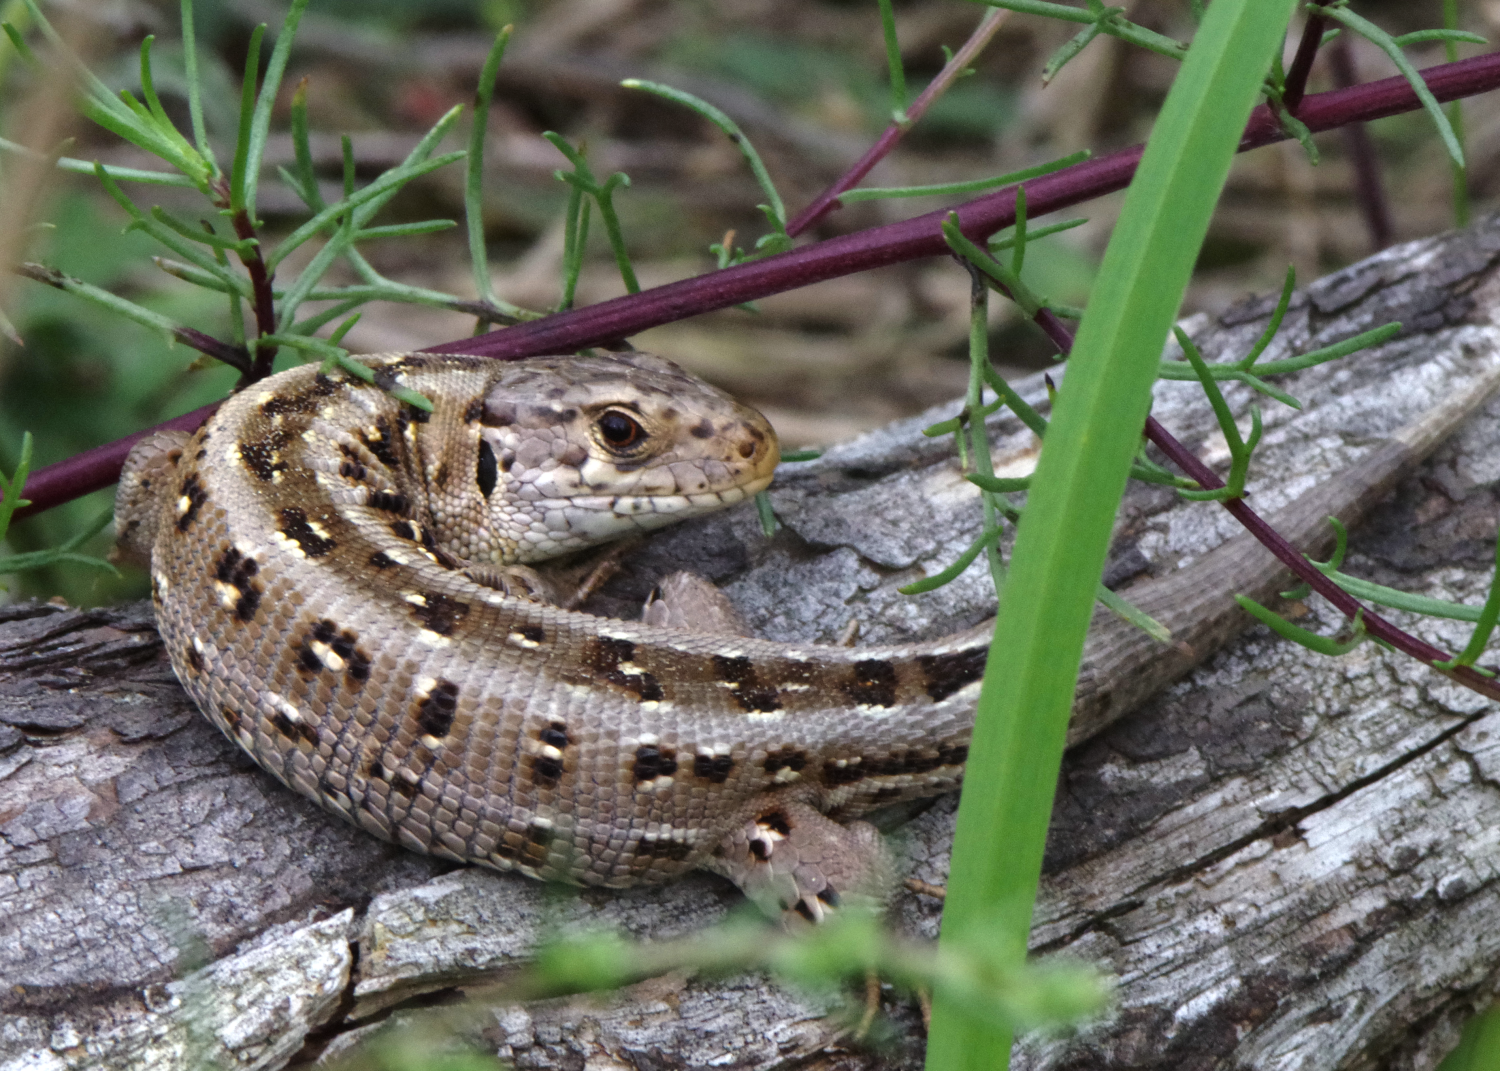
{"x":1392,"y":46}
{"x":583,"y":184}
{"x":140,"y":383}
{"x":983,"y":986}
{"x":825,"y":959}
{"x":1094,"y":433}
{"x":1322,"y":645}
{"x":893,"y":62}
{"x":105,"y":378}
{"x":10,"y":488}
{"x":1097,"y":19}
{"x":1479,"y":1047}
{"x":774,"y":210}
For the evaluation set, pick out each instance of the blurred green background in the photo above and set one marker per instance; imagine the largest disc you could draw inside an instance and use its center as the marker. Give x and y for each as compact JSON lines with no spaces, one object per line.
{"x":824,"y":363}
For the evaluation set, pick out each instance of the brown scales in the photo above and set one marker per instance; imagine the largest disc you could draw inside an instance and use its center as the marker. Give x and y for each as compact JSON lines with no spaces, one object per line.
{"x":312,"y":555}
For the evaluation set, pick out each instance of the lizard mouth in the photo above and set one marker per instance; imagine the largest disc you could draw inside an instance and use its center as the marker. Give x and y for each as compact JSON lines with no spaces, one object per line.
{"x":672,"y":506}
{"x":597,"y":518}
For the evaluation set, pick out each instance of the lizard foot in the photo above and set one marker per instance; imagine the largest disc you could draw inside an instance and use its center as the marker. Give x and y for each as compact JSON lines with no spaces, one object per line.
{"x":687,"y":600}
{"x":516,"y":581}
{"x":796,"y":862}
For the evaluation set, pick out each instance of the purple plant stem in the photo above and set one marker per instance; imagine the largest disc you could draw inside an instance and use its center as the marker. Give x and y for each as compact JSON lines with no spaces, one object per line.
{"x":828,"y":200}
{"x":264,"y":304}
{"x":97,"y":468}
{"x":1295,"y":87}
{"x":1293,"y":559}
{"x":1276,"y":543}
{"x":1371,"y":191}
{"x":922,"y":235}
{"x":907,"y":240}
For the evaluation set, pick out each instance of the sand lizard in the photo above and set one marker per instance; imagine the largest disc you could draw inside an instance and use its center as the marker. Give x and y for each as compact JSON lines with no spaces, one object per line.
{"x":339,"y":581}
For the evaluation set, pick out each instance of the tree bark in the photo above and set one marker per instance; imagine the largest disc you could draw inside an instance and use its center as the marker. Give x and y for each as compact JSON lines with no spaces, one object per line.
{"x":1286,"y":860}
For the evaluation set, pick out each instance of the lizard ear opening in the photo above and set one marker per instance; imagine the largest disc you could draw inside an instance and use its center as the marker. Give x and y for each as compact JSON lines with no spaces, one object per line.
{"x":488,"y":473}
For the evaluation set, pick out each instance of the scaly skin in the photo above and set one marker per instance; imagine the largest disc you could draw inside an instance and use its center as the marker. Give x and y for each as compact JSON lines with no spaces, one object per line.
{"x":336,"y":580}
{"x":314,"y":552}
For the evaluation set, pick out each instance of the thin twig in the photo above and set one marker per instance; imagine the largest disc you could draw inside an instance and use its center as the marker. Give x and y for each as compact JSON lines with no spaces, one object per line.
{"x":1378,"y":627}
{"x":261,"y":281}
{"x":828,"y":200}
{"x":922,"y":236}
{"x":234,"y":356}
{"x":1375,"y":625}
{"x":1295,"y":87}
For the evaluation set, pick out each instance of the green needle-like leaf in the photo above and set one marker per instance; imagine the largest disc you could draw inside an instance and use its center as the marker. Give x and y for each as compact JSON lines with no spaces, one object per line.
{"x":1387,"y":44}
{"x":254,"y":144}
{"x":195,"y":86}
{"x":12,"y":486}
{"x":388,"y":183}
{"x":1323,"y":645}
{"x":731,"y":130}
{"x":237,"y":176}
{"x":474,"y":173}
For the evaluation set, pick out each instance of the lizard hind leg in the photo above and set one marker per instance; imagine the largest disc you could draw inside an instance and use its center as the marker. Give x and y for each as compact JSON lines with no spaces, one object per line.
{"x":798,"y":864}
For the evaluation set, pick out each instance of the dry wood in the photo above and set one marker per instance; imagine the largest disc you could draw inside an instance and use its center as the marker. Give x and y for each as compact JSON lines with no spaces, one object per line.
{"x":1286,"y":861}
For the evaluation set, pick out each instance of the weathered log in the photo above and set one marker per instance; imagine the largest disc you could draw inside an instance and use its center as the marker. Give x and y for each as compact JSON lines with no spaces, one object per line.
{"x":1287,"y":861}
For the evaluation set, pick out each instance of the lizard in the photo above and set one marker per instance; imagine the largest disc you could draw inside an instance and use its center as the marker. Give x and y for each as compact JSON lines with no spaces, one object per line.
{"x":341,"y":583}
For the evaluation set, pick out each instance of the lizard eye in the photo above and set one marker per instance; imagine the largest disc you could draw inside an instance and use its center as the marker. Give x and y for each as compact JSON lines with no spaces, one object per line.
{"x":488,"y":472}
{"x":619,"y":431}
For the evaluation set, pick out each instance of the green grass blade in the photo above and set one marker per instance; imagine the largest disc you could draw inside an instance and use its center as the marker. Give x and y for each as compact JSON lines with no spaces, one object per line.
{"x":1479,"y":1046}
{"x":1094,"y":433}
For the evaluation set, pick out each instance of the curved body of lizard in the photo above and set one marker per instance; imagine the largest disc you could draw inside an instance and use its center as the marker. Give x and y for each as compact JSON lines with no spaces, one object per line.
{"x":329,"y":569}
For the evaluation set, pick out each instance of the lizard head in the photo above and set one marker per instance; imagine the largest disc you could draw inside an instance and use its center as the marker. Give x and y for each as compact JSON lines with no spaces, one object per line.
{"x":575,"y":451}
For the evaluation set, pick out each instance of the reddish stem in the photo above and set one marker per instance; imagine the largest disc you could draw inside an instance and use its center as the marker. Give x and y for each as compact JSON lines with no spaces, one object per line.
{"x":1377,"y":626}
{"x":265,"y":302}
{"x":96,"y":468}
{"x":1371,"y":191}
{"x":828,"y":200}
{"x":1276,"y":543}
{"x":922,"y":236}
{"x":907,"y":240}
{"x":1295,"y":86}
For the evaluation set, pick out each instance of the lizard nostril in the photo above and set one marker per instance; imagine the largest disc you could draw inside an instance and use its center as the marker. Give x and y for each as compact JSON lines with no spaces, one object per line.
{"x":747,"y":448}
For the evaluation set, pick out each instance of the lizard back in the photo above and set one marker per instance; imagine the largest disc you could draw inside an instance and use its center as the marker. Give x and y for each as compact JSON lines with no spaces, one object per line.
{"x":323,"y":562}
